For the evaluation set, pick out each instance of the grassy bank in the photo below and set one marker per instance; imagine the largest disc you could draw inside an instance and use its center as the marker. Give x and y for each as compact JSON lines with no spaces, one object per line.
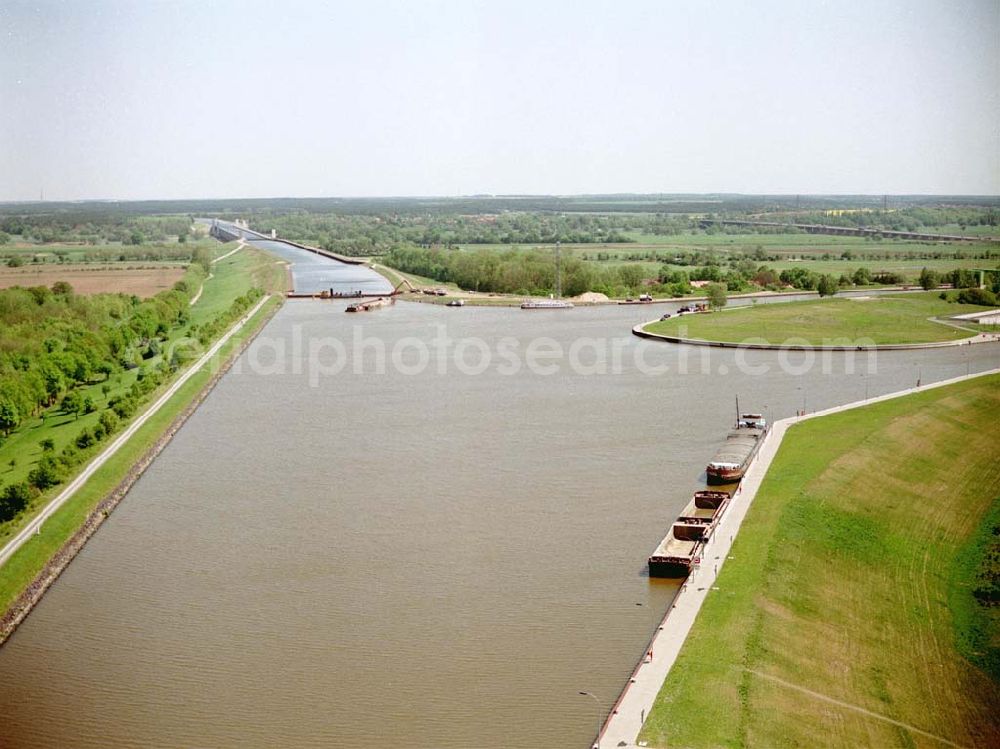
{"x":883,"y":319}
{"x":843,"y":584}
{"x":232,"y":278}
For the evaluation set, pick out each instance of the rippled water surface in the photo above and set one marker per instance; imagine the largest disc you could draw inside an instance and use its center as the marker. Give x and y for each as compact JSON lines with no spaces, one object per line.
{"x":424,"y":560}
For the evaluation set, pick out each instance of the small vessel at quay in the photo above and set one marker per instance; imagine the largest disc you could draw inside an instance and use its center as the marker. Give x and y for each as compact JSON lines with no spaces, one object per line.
{"x":734,"y":457}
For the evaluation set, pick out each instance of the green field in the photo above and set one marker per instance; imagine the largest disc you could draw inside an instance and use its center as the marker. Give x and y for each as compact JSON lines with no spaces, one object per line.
{"x":850,"y":581}
{"x":20,"y":452}
{"x":815,"y":252}
{"x":882,"y":320}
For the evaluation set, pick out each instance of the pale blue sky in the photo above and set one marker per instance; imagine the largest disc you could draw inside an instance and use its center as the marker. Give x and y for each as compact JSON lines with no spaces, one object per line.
{"x":148,"y":99}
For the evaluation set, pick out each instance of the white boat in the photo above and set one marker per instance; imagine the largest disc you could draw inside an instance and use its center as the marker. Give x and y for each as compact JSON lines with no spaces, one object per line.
{"x":546,"y":304}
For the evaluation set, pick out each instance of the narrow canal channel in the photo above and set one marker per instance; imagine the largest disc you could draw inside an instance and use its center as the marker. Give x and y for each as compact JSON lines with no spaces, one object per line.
{"x":408,"y":558}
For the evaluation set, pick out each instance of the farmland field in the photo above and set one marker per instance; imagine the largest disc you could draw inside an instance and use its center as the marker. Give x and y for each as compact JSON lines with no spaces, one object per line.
{"x":141,"y":279}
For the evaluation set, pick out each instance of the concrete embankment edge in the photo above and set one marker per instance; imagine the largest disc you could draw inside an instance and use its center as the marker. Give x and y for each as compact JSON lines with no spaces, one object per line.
{"x":29,"y":598}
{"x":622,"y":726}
{"x":319,"y":251}
{"x":639,"y":330}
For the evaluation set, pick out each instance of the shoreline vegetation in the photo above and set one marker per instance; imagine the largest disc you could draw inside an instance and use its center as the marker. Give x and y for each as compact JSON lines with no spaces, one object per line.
{"x":69,"y":529}
{"x":531,"y":271}
{"x":491,"y":299}
{"x":872,"y":533}
{"x":33,"y":452}
{"x":910,"y":319}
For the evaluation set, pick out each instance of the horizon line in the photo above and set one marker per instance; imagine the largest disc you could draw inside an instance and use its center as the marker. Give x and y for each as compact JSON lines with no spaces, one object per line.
{"x":511,"y":196}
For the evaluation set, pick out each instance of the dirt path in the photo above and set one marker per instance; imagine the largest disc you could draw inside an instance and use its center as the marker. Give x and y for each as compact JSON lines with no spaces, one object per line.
{"x":197,"y":296}
{"x":238,"y":247}
{"x":855,"y":708}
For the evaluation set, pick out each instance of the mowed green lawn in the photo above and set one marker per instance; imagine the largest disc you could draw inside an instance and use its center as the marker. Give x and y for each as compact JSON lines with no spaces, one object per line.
{"x":849,"y":581}
{"x":879,"y":319}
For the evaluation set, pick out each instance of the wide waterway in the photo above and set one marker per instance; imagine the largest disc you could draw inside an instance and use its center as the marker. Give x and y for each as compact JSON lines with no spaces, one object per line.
{"x":312,"y":273}
{"x":407,"y":559}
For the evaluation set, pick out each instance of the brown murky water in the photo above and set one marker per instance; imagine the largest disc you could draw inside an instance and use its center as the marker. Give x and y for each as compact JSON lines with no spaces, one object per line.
{"x":418,"y":560}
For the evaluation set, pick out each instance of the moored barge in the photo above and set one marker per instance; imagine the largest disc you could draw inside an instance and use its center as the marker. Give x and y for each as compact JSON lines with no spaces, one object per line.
{"x":681,"y":547}
{"x":673,"y":557}
{"x":732,"y":460}
{"x":711,"y":500}
{"x":546,"y":304}
{"x":695,"y":522}
{"x":369,"y":306}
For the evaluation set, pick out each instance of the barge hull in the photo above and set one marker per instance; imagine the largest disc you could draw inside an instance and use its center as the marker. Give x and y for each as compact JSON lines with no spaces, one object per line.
{"x":669,"y":568}
{"x":717,"y":477}
{"x":711,"y":500}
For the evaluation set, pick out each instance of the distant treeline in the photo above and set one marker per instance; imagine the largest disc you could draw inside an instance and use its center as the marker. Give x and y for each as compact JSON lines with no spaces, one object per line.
{"x":910,"y":219}
{"x":92,"y":228}
{"x":177,"y":253}
{"x":733,"y":255}
{"x":373,"y":226}
{"x":667,"y":203}
{"x":376,"y":235}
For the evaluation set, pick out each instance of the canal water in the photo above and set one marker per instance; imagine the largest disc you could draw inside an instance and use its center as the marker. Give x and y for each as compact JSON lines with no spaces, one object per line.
{"x":312,"y":273}
{"x":420,"y":557}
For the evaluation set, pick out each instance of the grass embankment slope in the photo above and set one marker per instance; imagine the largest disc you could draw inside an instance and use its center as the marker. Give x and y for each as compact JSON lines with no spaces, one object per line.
{"x":883,"y":319}
{"x":232,"y":278}
{"x":851,"y":577}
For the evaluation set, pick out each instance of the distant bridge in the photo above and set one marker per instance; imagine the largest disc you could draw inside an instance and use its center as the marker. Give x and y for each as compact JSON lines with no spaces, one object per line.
{"x":847,"y":231}
{"x":226,"y":231}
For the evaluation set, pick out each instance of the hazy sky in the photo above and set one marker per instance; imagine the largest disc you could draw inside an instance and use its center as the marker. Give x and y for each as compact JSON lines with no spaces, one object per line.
{"x":147,"y":99}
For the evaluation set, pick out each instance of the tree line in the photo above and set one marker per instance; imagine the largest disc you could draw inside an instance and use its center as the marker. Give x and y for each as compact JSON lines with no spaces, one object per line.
{"x":92,"y":228}
{"x":514,"y":271}
{"x":52,"y":340}
{"x":80,"y":341}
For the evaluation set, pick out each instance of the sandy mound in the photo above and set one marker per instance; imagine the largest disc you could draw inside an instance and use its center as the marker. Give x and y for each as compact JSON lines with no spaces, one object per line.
{"x":591,"y":296}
